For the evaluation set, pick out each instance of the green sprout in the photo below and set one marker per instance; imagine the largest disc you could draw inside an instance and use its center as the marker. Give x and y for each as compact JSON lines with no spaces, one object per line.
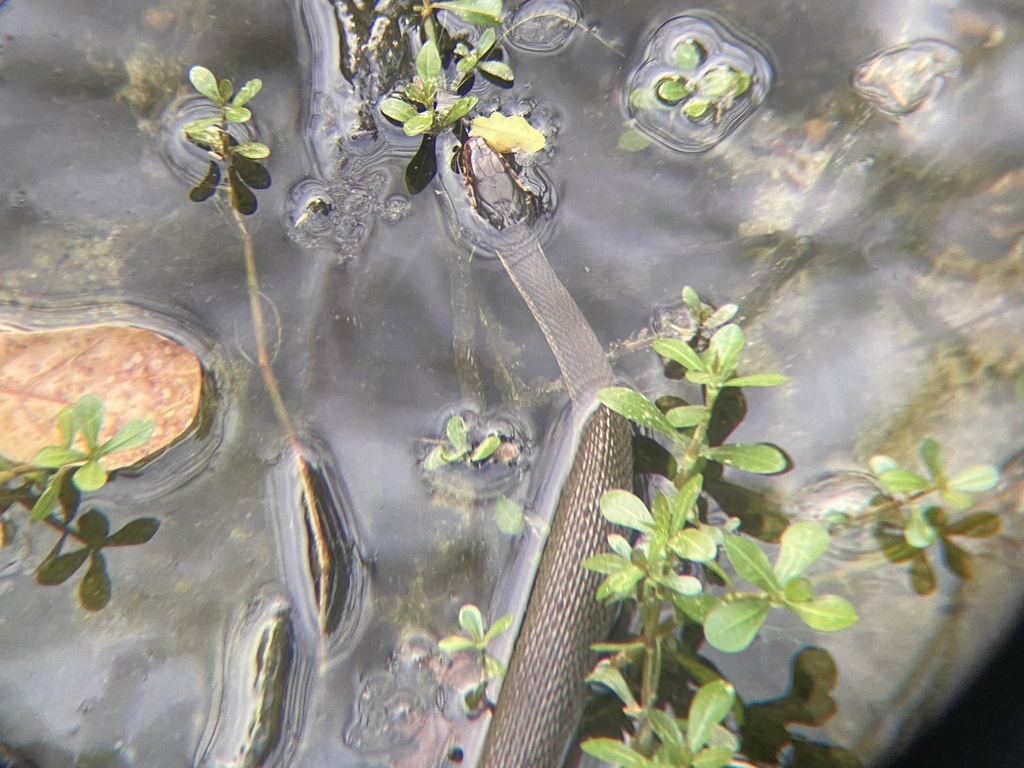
{"x":458,"y":448}
{"x":211,"y":134}
{"x":476,"y":637}
{"x":926,"y":524}
{"x":85,"y":466}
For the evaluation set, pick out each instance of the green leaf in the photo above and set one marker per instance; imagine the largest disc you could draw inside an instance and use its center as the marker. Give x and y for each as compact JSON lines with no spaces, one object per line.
{"x":57,"y":570}
{"x":712,"y":757}
{"x":919,"y":533}
{"x":695,"y":108}
{"x":957,"y":559}
{"x":65,"y":422}
{"x":671,"y":91}
{"x":689,"y":55}
{"x":486,"y":448}
{"x":932,"y":456}
{"x":207,"y":186}
{"x":420,"y":123}
{"x":633,"y":141}
{"x":254,"y":150}
{"x":757,"y":380}
{"x":237,"y":114}
{"x":623,"y":508}
{"x":721,"y":316}
{"x":138,"y":531}
{"x":708,"y":708}
{"x":725,"y":348}
{"x":760,"y":458}
{"x":55,"y":457}
{"x":751,"y":563}
{"x":922,"y":575}
{"x":957,"y":499}
{"x":978,"y":526}
{"x":687,"y":416}
{"x":246,"y":92}
{"x":485,"y":42}
{"x":94,"y":591}
{"x":507,"y":133}
{"x":694,"y":544}
{"x":635,"y":407}
{"x":802,"y":544}
{"x":620,"y":546}
{"x":901,"y":480}
{"x":665,"y":727}
{"x":509,"y":517}
{"x":825,"y":614}
{"x":698,"y":607}
{"x":204,"y":82}
{"x":611,"y":678}
{"x":428,"y":64}
{"x":398,"y":109}
{"x":482,"y":13}
{"x":498,"y":69}
{"x":48,"y":498}
{"x":493,"y":668}
{"x":472,"y":622}
{"x":93,"y":527}
{"x":687,"y":586}
{"x":501,"y":625}
{"x":225,"y":89}
{"x":614,"y":752}
{"x":798,"y":590}
{"x":456,"y":643}
{"x":91,"y":476}
{"x":730,"y":627}
{"x":975,"y":479}
{"x":455,"y":431}
{"x":87,"y":417}
{"x":606,"y":563}
{"x":620,"y":584}
{"x":684,"y":502}
{"x":460,"y":109}
{"x":435,"y":459}
{"x":680,"y":352}
{"x":134,"y":434}
{"x":880,"y":464}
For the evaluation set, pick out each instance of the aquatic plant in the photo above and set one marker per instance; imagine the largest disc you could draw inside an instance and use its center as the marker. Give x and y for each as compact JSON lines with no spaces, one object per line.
{"x":476,"y":636}
{"x":212,"y":134}
{"x":458,"y":447}
{"x":42,"y":486}
{"x":436,"y":99}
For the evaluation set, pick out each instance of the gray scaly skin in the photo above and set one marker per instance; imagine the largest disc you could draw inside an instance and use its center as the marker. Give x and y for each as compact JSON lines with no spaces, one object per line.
{"x":543,"y":691}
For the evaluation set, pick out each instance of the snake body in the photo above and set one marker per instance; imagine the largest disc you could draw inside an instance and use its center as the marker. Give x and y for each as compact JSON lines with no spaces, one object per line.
{"x":543,"y":690}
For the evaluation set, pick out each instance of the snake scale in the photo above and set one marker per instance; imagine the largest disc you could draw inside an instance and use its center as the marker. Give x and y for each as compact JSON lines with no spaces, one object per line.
{"x":543,"y":691}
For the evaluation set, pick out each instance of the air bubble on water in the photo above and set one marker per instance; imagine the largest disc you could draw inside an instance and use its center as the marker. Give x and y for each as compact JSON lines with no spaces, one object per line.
{"x":543,"y":26}
{"x":698,"y":78}
{"x":905,"y":78}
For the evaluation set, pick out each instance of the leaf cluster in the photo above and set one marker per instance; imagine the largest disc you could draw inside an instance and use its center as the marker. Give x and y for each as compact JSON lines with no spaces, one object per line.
{"x":703,"y":94}
{"x":924,"y":501}
{"x":80,"y":454}
{"x":93,"y":532}
{"x":211,"y":134}
{"x":476,"y":636}
{"x":457,"y":447}
{"x":698,"y":741}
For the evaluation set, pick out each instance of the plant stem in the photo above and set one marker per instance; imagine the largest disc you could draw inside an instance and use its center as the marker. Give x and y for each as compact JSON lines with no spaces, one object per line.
{"x":259,"y":327}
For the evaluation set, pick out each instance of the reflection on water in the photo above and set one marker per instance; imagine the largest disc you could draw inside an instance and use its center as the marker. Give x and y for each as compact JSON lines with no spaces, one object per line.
{"x":866,"y":217}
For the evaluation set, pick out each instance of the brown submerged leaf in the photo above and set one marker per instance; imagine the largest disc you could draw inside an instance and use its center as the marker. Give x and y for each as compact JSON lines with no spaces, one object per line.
{"x":138,"y":374}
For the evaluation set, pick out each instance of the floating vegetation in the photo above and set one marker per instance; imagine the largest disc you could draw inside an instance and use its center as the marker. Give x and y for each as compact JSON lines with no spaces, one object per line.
{"x":698,"y":79}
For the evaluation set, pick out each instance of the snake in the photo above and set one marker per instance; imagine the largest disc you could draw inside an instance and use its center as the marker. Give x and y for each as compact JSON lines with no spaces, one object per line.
{"x":543,"y":691}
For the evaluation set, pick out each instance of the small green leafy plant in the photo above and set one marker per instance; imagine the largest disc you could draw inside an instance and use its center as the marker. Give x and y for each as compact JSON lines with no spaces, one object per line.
{"x":476,"y":637}
{"x":437,"y":99}
{"x":699,"y":741}
{"x":83,"y":465}
{"x":457,"y":447}
{"x":705,"y":94}
{"x":211,"y":134}
{"x":51,"y":487}
{"x":922,"y":522}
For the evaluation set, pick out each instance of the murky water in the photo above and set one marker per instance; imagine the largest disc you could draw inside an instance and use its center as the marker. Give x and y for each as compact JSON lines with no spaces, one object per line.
{"x":864,"y":209}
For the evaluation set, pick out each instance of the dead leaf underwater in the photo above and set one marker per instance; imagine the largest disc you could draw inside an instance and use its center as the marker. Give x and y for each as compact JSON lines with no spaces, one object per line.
{"x":138,"y":374}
